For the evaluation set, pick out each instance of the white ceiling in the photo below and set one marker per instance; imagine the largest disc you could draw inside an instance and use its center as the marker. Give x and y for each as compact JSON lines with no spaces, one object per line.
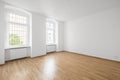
{"x":65,"y":9}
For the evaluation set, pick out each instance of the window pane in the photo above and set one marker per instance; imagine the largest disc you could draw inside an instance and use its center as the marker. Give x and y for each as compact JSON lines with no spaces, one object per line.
{"x":17,"y":31}
{"x":50,"y":26}
{"x":50,"y":36}
{"x":17,"y":19}
{"x":50,"y":33}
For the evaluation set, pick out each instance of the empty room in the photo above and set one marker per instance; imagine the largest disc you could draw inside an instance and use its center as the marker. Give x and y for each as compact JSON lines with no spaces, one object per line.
{"x":59,"y":39}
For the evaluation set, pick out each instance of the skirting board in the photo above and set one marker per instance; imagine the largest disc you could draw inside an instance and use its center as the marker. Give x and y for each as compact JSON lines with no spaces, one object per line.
{"x":93,"y":56}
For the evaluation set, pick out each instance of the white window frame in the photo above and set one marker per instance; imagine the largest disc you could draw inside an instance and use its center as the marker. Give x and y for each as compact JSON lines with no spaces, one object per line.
{"x":54,"y":22}
{"x":18,"y":11}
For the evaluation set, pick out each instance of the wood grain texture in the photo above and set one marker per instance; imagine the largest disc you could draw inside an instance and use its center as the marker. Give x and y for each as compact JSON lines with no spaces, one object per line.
{"x":60,"y":66}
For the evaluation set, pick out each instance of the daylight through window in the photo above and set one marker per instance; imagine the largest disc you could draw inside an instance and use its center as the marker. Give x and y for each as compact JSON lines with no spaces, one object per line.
{"x":18,"y":29}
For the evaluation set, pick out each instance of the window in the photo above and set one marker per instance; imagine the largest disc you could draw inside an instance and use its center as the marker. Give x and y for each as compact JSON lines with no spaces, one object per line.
{"x":18,"y":28}
{"x":51,"y":32}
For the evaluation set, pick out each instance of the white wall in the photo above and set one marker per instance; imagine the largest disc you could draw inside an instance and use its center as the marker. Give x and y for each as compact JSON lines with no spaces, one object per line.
{"x":2,"y":33}
{"x":96,"y":35}
{"x":60,"y":46}
{"x":38,"y":34}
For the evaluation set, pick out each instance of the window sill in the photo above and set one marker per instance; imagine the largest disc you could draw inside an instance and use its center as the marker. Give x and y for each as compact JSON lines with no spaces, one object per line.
{"x":17,"y":47}
{"x":51,"y":44}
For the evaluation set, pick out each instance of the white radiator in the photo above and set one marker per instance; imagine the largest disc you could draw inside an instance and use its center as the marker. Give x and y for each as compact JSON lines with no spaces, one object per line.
{"x":11,"y":54}
{"x":51,"y":48}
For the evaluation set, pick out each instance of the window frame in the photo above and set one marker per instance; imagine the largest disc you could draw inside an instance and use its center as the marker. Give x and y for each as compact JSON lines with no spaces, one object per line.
{"x":52,"y":21}
{"x":21,"y":12}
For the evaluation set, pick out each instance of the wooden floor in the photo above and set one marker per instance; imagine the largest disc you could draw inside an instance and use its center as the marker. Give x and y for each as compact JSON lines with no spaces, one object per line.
{"x":60,"y":66}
